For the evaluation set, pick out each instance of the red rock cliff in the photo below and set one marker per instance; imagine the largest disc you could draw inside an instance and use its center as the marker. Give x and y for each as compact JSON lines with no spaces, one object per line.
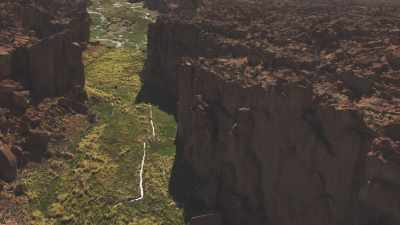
{"x":287,"y":113}
{"x":41,"y":44}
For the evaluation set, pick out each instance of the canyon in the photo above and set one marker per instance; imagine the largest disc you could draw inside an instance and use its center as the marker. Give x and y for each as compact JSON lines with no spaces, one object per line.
{"x":288,"y":112}
{"x":229,"y":113}
{"x":77,"y":142}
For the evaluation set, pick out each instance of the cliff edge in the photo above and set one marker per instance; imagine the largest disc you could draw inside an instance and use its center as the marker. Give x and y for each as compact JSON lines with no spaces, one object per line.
{"x":288,"y":113}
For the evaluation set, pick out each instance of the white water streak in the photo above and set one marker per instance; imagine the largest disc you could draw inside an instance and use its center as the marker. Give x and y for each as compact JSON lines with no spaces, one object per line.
{"x":143,"y":160}
{"x":151,"y":122}
{"x":141,"y":176}
{"x":117,"y":44}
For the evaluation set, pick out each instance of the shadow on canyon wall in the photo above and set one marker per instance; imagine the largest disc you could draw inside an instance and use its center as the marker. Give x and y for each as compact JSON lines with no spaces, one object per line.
{"x":183,"y":182}
{"x":155,"y":95}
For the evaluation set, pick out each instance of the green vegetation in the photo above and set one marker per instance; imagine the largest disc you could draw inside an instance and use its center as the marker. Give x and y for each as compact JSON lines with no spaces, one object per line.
{"x":93,"y":187}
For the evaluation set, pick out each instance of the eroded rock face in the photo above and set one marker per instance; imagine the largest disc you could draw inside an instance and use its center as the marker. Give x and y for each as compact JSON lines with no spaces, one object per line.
{"x":37,"y":143}
{"x":41,"y":44}
{"x":41,"y":47}
{"x":287,"y":113}
{"x":269,"y":155}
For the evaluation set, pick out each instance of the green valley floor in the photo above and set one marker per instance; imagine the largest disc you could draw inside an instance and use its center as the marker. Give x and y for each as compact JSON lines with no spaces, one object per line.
{"x":102,"y":173}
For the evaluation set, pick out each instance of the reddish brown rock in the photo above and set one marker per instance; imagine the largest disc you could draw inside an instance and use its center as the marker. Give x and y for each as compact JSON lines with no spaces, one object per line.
{"x":44,"y":45}
{"x":67,"y":69}
{"x":253,"y":167}
{"x":281,"y":108}
{"x":12,"y":95}
{"x":21,"y":99}
{"x":8,"y":163}
{"x":41,"y":44}
{"x":37,"y":143}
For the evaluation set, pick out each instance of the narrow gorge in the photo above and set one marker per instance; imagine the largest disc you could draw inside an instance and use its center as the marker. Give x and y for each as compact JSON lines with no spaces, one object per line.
{"x":73,"y":121}
{"x":200,"y":112}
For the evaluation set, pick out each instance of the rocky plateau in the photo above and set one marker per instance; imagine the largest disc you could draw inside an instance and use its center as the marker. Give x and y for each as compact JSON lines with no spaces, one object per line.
{"x":288,"y":112}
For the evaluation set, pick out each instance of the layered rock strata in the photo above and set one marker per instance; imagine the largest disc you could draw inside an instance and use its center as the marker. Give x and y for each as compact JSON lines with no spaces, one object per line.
{"x":288,"y":113}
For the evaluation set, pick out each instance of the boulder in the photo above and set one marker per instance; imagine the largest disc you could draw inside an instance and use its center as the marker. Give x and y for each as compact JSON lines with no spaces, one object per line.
{"x":20,"y":99}
{"x":8,"y":86}
{"x":37,"y":143}
{"x":8,"y":163}
{"x":7,"y":90}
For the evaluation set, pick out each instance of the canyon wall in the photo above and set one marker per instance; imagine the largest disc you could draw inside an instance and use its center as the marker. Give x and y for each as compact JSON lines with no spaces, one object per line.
{"x":42,"y":48}
{"x":269,"y":154}
{"x":288,"y":113}
{"x":173,"y":37}
{"x":41,"y":44}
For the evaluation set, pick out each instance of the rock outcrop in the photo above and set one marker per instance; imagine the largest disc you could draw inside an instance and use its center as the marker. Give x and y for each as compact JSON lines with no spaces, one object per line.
{"x":288,"y":113}
{"x":41,"y":44}
{"x":8,"y":163}
{"x":272,"y":150}
{"x":42,"y":47}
